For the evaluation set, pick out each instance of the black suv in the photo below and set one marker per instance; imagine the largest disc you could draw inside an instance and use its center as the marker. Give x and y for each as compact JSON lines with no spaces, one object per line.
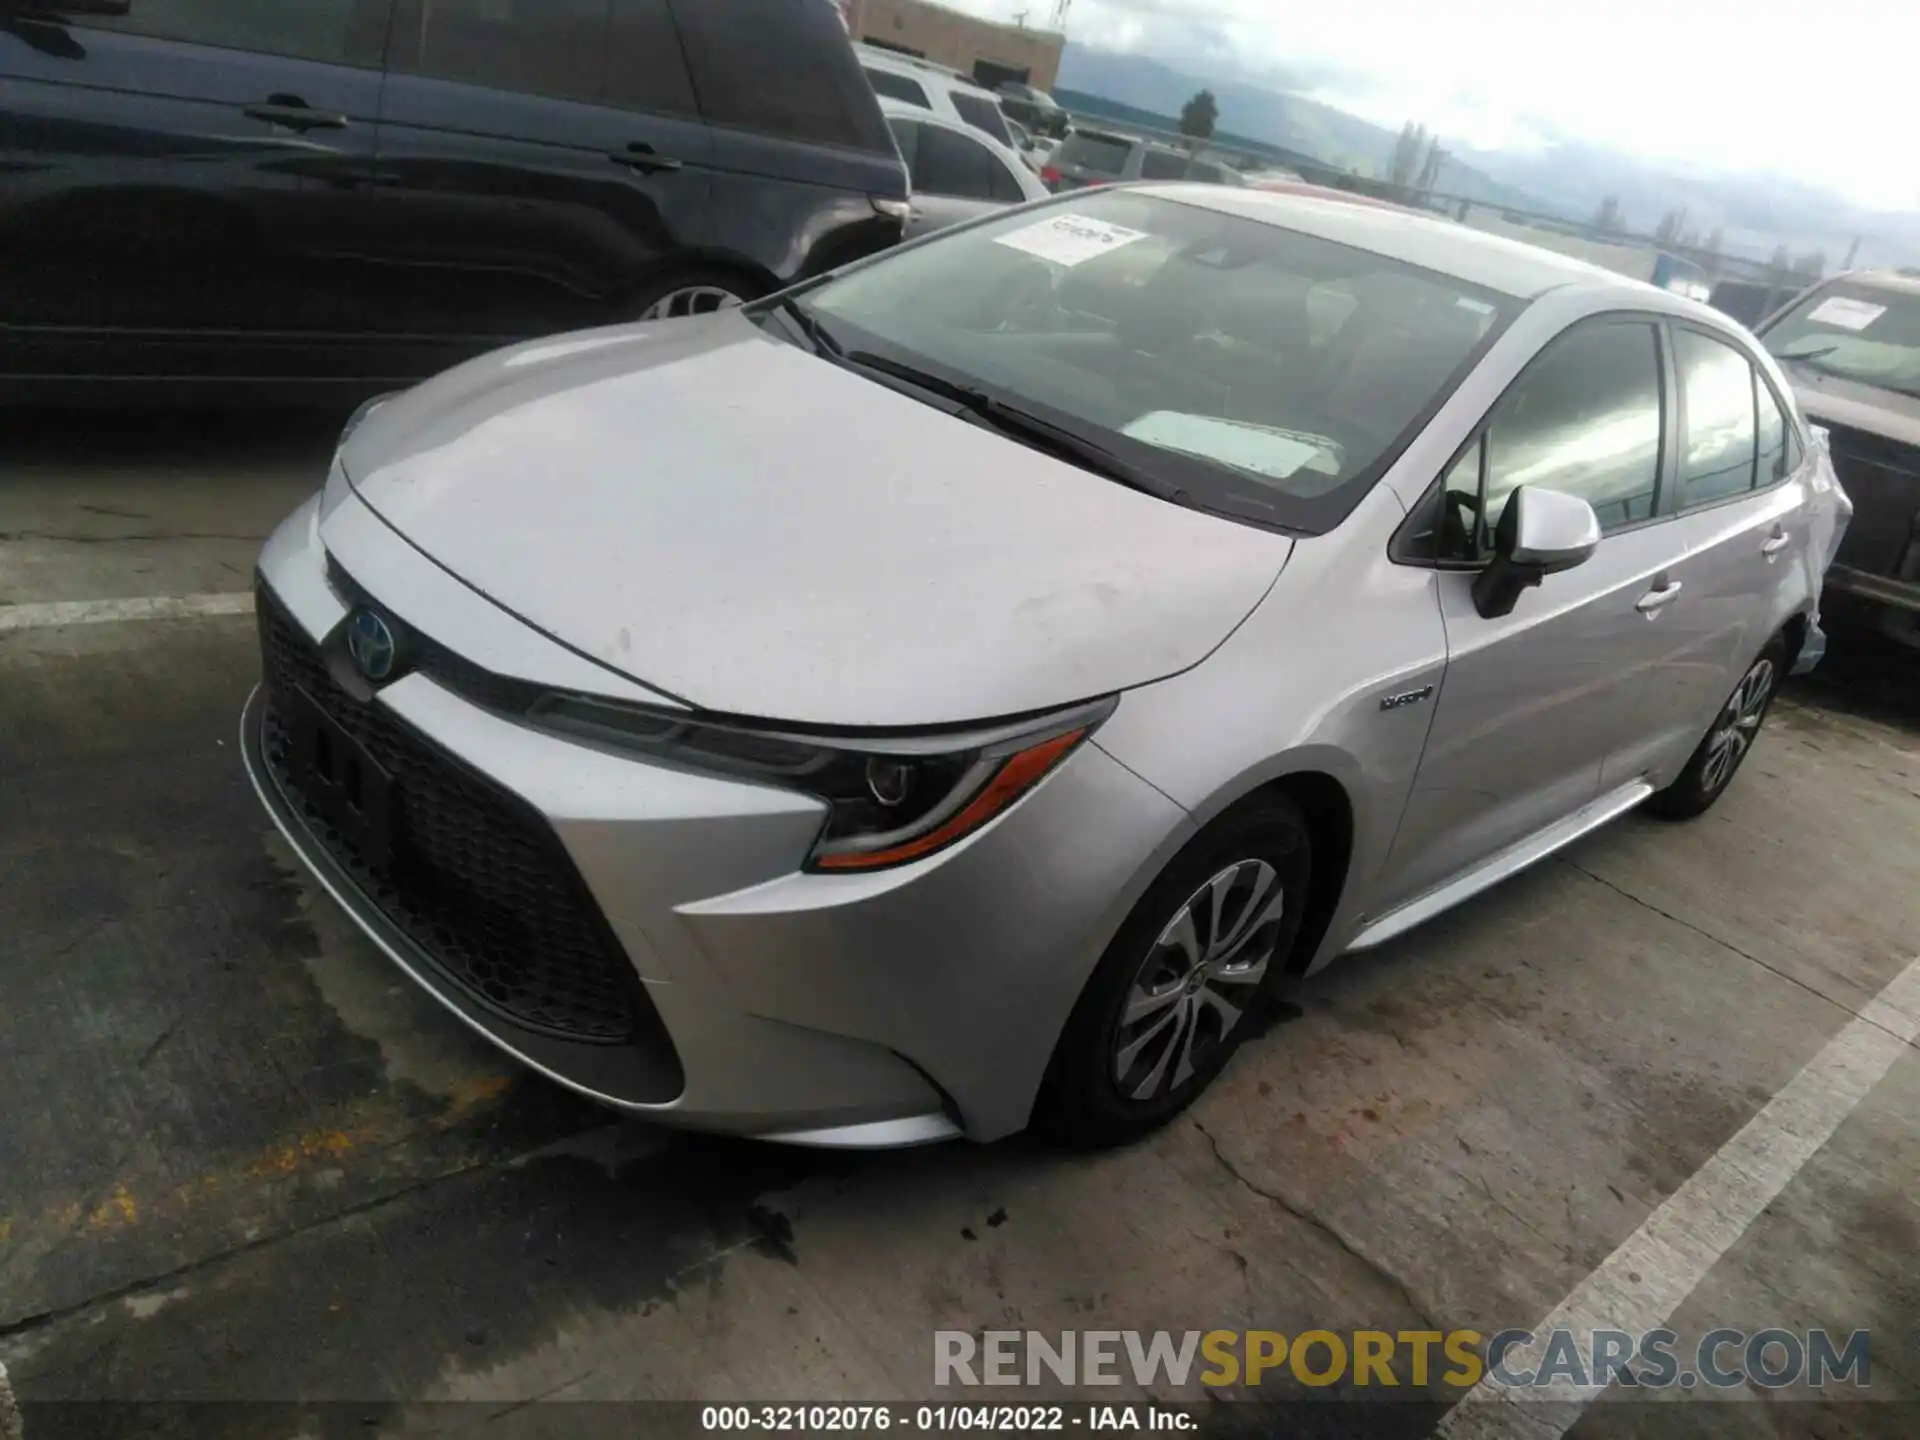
{"x":345,"y":195}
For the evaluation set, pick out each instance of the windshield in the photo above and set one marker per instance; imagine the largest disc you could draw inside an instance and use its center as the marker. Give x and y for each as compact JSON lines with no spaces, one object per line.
{"x":1856,"y":331}
{"x":1255,"y":371}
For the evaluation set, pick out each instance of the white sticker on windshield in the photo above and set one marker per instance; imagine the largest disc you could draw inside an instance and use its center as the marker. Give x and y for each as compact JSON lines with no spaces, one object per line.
{"x":1847,"y":314}
{"x":1478,"y":307}
{"x":1261,"y":449}
{"x":1070,"y":239}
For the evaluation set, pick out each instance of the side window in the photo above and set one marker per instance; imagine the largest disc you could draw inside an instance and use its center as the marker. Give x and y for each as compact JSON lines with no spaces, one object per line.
{"x":898,"y":87}
{"x":1716,"y":397}
{"x":1206,"y":172}
{"x":779,"y":67}
{"x":346,"y":32}
{"x":1162,"y":165}
{"x":596,"y":51}
{"x":1772,"y":462}
{"x":1584,"y":418}
{"x":982,"y":114}
{"x":951,"y":164}
{"x":1004,"y":184}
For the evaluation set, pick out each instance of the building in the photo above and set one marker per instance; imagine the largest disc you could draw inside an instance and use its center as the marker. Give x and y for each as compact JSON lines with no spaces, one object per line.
{"x":988,"y":52}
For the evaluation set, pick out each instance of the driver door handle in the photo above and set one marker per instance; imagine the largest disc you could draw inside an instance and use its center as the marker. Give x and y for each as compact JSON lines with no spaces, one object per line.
{"x":294,"y":113}
{"x":1664,"y":592}
{"x":1775,"y":543}
{"x":644,"y":158}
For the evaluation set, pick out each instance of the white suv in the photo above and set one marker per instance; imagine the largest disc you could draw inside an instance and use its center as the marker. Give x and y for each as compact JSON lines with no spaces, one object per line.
{"x":944,"y":92}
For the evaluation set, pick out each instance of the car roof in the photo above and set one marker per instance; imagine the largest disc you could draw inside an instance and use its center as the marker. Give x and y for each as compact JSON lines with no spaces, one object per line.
{"x":1431,"y":242}
{"x":1898,"y":280}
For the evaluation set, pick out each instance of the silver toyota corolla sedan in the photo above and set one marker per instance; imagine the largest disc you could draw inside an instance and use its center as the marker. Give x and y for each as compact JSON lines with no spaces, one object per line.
{"x":951,"y":695}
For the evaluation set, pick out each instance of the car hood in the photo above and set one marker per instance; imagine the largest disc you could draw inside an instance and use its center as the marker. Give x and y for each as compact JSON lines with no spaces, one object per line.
{"x":751,"y":529}
{"x":1829,"y":399}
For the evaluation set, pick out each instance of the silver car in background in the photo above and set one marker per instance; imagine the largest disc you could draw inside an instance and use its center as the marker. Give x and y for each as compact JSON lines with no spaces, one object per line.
{"x":954,"y":173}
{"x":952,"y":695}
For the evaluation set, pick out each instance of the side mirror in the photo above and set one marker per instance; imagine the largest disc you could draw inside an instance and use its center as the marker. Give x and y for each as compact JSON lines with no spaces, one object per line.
{"x":1540,"y":533}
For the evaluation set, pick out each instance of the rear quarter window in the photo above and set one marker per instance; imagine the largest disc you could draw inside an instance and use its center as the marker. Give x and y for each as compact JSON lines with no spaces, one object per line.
{"x":982,"y":114}
{"x":897,"y":87}
{"x":780,"y":67}
{"x":1100,"y":153}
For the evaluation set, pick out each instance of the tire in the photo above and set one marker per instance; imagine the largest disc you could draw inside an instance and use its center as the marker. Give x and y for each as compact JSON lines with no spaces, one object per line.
{"x":1728,"y":740}
{"x":698,"y":290}
{"x":1096,"y":1093}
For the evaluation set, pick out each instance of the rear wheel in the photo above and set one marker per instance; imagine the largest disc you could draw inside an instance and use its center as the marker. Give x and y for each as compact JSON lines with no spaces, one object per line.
{"x":1734,"y":729}
{"x":692,"y":292}
{"x":1183,"y":982}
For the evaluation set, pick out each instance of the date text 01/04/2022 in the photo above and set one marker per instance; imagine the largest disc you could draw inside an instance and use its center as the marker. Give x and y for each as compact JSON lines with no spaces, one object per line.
{"x":943,"y":1419}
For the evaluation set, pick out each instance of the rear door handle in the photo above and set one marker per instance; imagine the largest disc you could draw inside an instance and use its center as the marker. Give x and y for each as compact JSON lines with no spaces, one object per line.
{"x":642,"y":157}
{"x":1776,"y":542}
{"x":295,"y":114}
{"x":1664,"y":592}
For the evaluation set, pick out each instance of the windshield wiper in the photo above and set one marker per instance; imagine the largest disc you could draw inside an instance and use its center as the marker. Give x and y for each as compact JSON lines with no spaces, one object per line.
{"x":1021,"y":425}
{"x":1809,"y":358}
{"x":808,"y":324}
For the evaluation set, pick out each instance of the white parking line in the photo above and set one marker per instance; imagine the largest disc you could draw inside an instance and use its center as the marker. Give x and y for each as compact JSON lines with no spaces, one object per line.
{"x":97,"y":612}
{"x":1640,"y":1285}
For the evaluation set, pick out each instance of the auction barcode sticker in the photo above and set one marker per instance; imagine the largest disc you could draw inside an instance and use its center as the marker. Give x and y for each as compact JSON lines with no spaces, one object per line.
{"x":1070,"y":239}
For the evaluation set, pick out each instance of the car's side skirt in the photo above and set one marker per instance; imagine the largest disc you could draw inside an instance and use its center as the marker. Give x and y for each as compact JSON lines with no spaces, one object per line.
{"x":1509,"y":861}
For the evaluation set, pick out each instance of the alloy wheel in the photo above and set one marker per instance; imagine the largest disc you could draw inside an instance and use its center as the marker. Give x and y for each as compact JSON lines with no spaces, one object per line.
{"x":690,"y":300}
{"x":1197,"y":980}
{"x":1739,"y":722}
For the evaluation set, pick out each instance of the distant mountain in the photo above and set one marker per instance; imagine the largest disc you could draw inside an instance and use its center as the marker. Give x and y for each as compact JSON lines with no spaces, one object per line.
{"x":1754,"y":213}
{"x":1568,"y":178}
{"x":1292,"y":121}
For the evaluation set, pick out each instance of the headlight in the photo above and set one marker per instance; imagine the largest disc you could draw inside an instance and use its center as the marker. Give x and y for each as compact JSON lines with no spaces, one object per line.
{"x":889,"y":800}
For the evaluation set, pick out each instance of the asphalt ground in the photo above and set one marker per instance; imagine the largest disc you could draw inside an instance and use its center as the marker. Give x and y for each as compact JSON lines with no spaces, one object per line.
{"x":251,"y":1183}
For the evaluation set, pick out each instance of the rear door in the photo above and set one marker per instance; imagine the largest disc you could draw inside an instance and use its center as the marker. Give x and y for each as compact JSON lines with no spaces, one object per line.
{"x":178,"y":184}
{"x":1742,"y":510}
{"x":1534,"y":702}
{"x":801,"y":153}
{"x":539,"y":159}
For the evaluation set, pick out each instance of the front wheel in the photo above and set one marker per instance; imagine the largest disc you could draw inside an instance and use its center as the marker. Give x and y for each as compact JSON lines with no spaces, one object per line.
{"x":1181,"y":984}
{"x":1721,"y":753}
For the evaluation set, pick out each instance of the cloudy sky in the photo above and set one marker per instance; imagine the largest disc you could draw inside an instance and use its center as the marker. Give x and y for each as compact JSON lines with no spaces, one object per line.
{"x":1817,"y":91}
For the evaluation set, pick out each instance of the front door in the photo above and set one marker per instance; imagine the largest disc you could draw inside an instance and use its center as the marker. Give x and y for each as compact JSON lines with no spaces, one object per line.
{"x":1533,"y":702}
{"x":176,"y":185}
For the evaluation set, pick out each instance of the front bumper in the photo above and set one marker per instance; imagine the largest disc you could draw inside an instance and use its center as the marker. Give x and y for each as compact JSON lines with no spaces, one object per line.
{"x":889,"y":1008}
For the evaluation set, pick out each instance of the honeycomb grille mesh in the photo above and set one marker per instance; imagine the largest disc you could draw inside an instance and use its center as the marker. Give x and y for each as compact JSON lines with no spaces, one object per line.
{"x":472,"y":876}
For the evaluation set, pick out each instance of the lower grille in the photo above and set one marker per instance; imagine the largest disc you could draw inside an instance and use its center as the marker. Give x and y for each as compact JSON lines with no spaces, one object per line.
{"x":469,"y":873}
